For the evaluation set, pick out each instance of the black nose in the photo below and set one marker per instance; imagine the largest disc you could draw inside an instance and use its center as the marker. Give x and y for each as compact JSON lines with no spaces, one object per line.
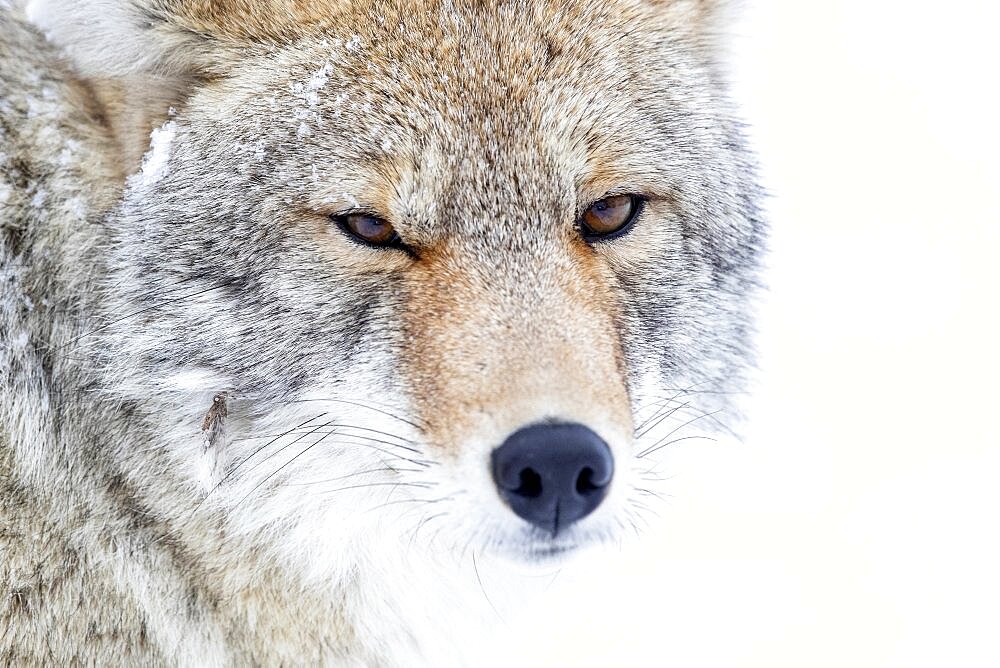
{"x":553,"y":474}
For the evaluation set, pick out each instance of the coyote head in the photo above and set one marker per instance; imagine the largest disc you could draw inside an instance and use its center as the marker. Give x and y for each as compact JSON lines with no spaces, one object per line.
{"x":463,"y":264}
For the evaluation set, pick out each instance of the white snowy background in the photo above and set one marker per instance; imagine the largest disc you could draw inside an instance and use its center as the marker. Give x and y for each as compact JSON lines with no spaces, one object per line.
{"x":859,"y":524}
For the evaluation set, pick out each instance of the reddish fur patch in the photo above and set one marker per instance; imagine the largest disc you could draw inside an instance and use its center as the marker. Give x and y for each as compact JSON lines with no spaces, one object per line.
{"x":482,"y":362}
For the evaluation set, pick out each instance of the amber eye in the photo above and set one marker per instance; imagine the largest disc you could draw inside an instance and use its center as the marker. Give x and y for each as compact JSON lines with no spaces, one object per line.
{"x":369,"y":229}
{"x":610,"y":217}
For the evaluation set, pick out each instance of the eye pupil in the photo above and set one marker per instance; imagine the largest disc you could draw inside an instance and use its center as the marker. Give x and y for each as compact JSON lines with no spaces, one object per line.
{"x":610,"y":216}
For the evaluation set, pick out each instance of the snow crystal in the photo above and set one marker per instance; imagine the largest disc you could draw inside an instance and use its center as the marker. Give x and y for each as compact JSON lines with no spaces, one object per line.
{"x":308,"y":92}
{"x":65,"y":157}
{"x":20,"y":341}
{"x":36,"y":107}
{"x":77,"y":207}
{"x":316,"y":83}
{"x":154,"y":163}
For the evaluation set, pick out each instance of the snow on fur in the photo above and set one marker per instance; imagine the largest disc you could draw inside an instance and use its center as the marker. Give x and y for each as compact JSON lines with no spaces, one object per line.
{"x":155,"y":162}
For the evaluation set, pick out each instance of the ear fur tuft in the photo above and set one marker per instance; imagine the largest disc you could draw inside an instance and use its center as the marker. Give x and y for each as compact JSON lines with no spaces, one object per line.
{"x":114,"y":38}
{"x":189,"y":37}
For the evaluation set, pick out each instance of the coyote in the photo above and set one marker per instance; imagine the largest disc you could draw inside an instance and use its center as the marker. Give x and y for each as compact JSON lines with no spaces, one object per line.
{"x":307,"y":306}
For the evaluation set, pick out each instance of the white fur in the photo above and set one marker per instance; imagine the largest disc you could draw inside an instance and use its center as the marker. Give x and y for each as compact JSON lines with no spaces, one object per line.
{"x":98,"y":35}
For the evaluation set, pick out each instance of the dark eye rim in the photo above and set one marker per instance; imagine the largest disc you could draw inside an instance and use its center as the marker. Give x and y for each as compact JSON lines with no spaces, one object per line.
{"x":638,"y":205}
{"x":340,"y":220}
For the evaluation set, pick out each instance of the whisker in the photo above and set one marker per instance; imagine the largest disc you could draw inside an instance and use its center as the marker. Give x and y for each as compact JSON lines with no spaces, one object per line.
{"x":286,"y":446}
{"x":342,"y":425}
{"x":427,"y":501}
{"x":235,"y":468}
{"x":664,"y":416}
{"x":642,"y":506}
{"x":659,"y":446}
{"x":662,"y":400}
{"x":677,"y":391}
{"x":416,"y":462}
{"x":360,"y":405}
{"x":362,"y":437}
{"x":282,"y":467}
{"x":338,"y":427}
{"x":389,"y":469}
{"x":378,"y":440}
{"x":422,"y":485}
{"x":377,"y":431}
{"x":475,"y":567}
{"x":721,"y":392}
{"x":423,"y":522}
{"x":714,"y":419}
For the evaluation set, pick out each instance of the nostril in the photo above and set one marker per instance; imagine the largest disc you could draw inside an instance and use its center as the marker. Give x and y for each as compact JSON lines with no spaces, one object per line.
{"x":531,"y":484}
{"x":585,"y":482}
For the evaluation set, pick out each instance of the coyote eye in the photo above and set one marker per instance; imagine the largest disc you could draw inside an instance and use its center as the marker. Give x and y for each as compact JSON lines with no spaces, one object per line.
{"x":610,"y":217}
{"x":369,"y":229}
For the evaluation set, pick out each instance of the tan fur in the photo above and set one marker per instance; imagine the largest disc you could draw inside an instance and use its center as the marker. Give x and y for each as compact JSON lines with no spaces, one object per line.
{"x":480,"y":368}
{"x":267,"y":19}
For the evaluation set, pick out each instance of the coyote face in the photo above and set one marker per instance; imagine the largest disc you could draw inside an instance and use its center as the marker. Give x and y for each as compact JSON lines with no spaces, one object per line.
{"x":462,"y":265}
